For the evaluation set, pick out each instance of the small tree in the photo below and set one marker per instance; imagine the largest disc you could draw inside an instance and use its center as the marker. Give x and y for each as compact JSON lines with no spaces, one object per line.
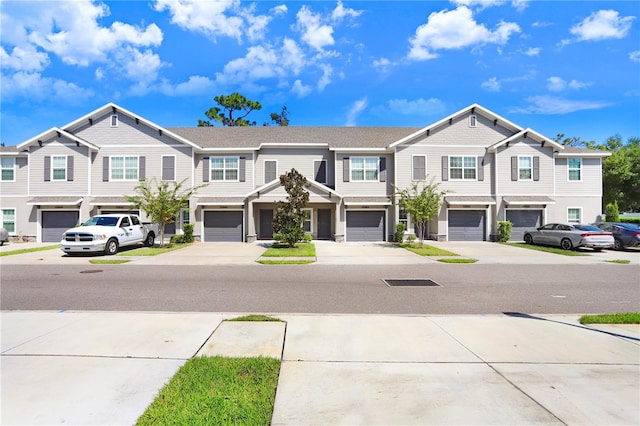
{"x":162,"y":204}
{"x":504,"y":230}
{"x":289,"y":218}
{"x":612,"y":213}
{"x":230,"y":104}
{"x":422,"y":204}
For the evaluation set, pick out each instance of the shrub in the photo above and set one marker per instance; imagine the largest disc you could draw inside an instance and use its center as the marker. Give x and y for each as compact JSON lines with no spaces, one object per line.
{"x":504,"y":230}
{"x":612,"y":212}
{"x":399,"y":235}
{"x":187,"y":237}
{"x":411,"y":238}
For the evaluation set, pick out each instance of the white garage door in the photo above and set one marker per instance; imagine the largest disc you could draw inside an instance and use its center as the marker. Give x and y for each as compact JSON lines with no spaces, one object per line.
{"x":466,"y":225}
{"x":523,"y":220}
{"x":223,"y":226}
{"x":55,"y":223}
{"x":365,"y":226}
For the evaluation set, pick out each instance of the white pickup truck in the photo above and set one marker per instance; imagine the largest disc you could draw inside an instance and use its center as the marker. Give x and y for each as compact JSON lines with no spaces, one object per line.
{"x":108,"y":232}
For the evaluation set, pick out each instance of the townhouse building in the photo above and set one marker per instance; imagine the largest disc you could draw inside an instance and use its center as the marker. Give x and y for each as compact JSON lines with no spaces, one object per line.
{"x":491,"y":168}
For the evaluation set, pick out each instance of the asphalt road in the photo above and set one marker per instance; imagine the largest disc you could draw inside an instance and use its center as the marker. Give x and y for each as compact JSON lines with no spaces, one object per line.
{"x":464,"y":289}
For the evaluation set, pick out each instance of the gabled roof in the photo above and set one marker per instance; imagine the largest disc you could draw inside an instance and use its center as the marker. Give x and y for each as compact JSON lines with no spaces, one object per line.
{"x":254,"y":138}
{"x":474,"y":109}
{"x":526,"y":133}
{"x":56,"y":131}
{"x":111,"y":107}
{"x":276,"y":182}
{"x":572,"y":151}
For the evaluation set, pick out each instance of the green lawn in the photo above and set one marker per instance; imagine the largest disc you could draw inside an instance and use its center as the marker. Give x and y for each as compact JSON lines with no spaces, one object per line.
{"x":285,"y":262}
{"x":151,"y":251}
{"x":620,"y":261}
{"x":425,"y":250}
{"x":256,"y":318}
{"x":458,"y":260}
{"x":29,"y":250}
{"x":555,"y":250}
{"x":217,"y":391}
{"x":621,"y":318}
{"x":108,"y":261}
{"x":300,"y":250}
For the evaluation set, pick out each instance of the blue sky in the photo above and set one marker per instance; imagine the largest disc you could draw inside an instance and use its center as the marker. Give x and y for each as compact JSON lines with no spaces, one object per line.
{"x":558,"y":67}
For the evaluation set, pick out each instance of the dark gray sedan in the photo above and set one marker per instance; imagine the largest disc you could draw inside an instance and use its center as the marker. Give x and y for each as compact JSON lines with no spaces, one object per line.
{"x":625,"y":234}
{"x":569,"y":236}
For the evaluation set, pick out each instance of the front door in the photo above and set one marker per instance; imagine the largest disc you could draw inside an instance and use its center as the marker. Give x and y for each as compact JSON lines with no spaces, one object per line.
{"x":266,"y":224}
{"x":324,"y":224}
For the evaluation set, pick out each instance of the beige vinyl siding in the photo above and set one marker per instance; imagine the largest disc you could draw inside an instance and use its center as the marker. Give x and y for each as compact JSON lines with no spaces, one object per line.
{"x":525,"y":147}
{"x":299,"y":159}
{"x":221,"y":188}
{"x":591,"y":207}
{"x":459,"y":132}
{"x":19,"y":186}
{"x":62,"y":146}
{"x":363,"y":189}
{"x":25,"y":216}
{"x":126,"y":133}
{"x":591,"y":183}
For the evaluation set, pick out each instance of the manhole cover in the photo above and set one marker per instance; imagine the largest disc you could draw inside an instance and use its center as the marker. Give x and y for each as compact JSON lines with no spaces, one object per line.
{"x":410,"y":282}
{"x":91,"y":271}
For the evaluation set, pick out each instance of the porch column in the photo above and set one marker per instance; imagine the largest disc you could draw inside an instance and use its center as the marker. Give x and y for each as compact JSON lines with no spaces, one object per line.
{"x":251,"y":223}
{"x":339,"y":225}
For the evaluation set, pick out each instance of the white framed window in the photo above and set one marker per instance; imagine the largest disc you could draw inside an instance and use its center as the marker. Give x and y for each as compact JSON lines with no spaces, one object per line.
{"x":574,"y":215}
{"x":114,"y":120}
{"x":59,"y":167}
{"x":225,"y":169}
{"x":307,"y":224}
{"x":9,"y":220}
{"x":574,"y":166}
{"x":525,"y":168}
{"x":403,"y":217}
{"x":185,"y":216}
{"x":124,"y":168}
{"x":473,"y":121}
{"x":462,"y":168}
{"x":365,"y":169}
{"x":8,"y":169}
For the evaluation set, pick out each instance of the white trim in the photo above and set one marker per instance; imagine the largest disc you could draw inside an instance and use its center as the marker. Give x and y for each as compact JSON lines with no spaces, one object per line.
{"x":52,"y":168}
{"x":15,"y":217}
{"x":367,"y":203}
{"x":221,"y":203}
{"x":114,"y":120}
{"x":385,"y":223}
{"x":124,"y":168}
{"x":47,"y":134}
{"x":294,"y":145}
{"x":311,"y":222}
{"x":526,"y":133}
{"x":530,"y":157}
{"x":473,"y":121}
{"x":39,"y":218}
{"x":475,"y":168}
{"x":13,"y":168}
{"x":372,"y":150}
{"x":364,"y":170}
{"x":569,"y":169}
{"x":243,"y":232}
{"x":574,"y":208}
{"x":56,"y":203}
{"x":224,"y":168}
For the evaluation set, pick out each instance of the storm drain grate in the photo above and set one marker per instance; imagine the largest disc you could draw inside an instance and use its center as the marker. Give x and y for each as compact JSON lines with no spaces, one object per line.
{"x":410,"y":282}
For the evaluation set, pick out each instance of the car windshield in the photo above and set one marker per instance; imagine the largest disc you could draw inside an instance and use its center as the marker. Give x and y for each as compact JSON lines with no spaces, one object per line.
{"x":102,"y":221}
{"x":587,"y":228}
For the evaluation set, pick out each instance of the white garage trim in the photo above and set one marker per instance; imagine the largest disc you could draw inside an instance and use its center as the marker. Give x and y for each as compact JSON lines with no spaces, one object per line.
{"x":242,"y":225}
{"x":384,"y":222}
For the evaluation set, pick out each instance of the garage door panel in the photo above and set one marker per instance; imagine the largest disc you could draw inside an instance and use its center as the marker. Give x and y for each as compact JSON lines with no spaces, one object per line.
{"x":55,"y":223}
{"x":467,"y":225}
{"x":523,"y":220}
{"x":365,"y":226}
{"x":223,"y":226}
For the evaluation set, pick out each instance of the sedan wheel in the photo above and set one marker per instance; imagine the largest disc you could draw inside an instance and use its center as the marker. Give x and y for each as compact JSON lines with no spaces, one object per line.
{"x":617,"y":245}
{"x":566,"y":244}
{"x":528,"y":239}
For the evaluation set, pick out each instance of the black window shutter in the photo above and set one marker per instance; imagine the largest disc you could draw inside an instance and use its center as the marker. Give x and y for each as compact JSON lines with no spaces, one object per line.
{"x":47,"y":168}
{"x":419,"y":167}
{"x":480,"y":168}
{"x":142,"y":165}
{"x":514,"y":168}
{"x":205,"y":169}
{"x":536,"y":168}
{"x":320,"y":171}
{"x":70,"y":168}
{"x":445,"y":168}
{"x":242,"y":171}
{"x":105,"y":169}
{"x":168,"y":168}
{"x":269,"y":171}
{"x":345,"y":169}
{"x":383,"y":169}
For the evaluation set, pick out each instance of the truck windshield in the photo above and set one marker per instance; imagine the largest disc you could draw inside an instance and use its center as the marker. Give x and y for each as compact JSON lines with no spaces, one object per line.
{"x":102,"y":221}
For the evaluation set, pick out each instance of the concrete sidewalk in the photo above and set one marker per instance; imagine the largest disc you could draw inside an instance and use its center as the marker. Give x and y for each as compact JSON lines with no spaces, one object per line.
{"x":105,"y":367}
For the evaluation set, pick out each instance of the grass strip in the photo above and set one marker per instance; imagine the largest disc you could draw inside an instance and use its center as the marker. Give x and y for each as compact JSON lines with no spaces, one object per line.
{"x":108,"y":261}
{"x":555,"y":250}
{"x":300,"y":250}
{"x":620,"y":261}
{"x":425,"y":250}
{"x":286,"y":262}
{"x":620,"y":318}
{"x":151,"y":251}
{"x":256,"y":318}
{"x":217,"y":391}
{"x":28,"y":250}
{"x":458,"y":260}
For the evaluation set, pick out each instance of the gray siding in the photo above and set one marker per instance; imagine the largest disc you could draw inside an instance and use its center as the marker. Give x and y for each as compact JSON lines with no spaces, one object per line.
{"x":80,"y":183}
{"x":126,"y":133}
{"x":525,"y":147}
{"x":299,"y":159}
{"x":21,"y":174}
{"x":225,"y":189}
{"x":363,"y":189}
{"x":591,"y":208}
{"x":459,"y":133}
{"x":591,"y":183}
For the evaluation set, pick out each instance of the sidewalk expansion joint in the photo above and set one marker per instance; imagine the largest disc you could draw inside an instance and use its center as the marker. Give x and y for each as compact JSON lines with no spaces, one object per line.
{"x":95,"y":356}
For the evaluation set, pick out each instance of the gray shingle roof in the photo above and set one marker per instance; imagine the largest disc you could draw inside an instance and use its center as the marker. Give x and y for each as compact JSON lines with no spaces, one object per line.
{"x":253,"y":137}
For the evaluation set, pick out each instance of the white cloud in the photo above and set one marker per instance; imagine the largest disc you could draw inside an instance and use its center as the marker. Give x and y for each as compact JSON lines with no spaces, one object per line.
{"x":34,"y":86}
{"x":555,"y":105}
{"x":355,"y":110}
{"x":341,"y":12}
{"x":533,"y":51}
{"x":491,"y":85}
{"x":280,"y":10}
{"x":558,"y":84}
{"x":26,"y":58}
{"x":483,"y":4}
{"x":454,"y":30}
{"x":520,"y":5}
{"x":300,"y":90}
{"x":195,"y":85}
{"x":314,"y":32}
{"x":205,"y":17}
{"x":601,"y":25}
{"x":419,"y":107}
{"x":325,"y":80}
{"x":635,"y":56}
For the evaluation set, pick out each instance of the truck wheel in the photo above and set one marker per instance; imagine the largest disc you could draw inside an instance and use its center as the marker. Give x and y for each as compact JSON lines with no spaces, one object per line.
{"x":150,"y":239}
{"x":112,"y":247}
